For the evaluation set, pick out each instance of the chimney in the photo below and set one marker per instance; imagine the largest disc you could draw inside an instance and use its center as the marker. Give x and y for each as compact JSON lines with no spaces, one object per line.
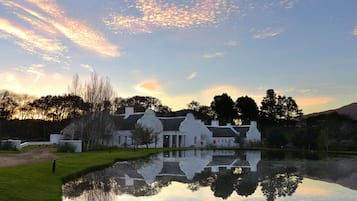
{"x":215,"y":123}
{"x":253,"y":124}
{"x":129,"y":111}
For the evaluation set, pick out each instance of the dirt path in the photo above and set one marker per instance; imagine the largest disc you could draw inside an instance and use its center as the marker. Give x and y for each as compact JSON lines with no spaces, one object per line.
{"x":32,"y":156}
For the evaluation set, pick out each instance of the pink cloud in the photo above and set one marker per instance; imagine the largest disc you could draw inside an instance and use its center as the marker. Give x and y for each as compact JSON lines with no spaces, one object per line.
{"x":50,"y":22}
{"x":149,"y":87}
{"x":167,"y":15}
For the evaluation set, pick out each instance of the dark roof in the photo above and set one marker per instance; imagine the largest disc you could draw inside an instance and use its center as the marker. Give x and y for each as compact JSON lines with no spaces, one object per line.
{"x":172,"y":124}
{"x":222,"y":132}
{"x":241,"y":130}
{"x":171,"y":168}
{"x":221,"y":160}
{"x":240,"y":163}
{"x":122,"y":123}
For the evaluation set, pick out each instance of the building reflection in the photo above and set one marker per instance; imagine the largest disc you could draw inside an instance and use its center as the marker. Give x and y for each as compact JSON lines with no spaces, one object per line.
{"x":223,"y":171}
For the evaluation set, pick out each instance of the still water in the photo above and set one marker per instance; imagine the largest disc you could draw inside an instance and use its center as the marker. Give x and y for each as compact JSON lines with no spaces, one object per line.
{"x":201,"y":175}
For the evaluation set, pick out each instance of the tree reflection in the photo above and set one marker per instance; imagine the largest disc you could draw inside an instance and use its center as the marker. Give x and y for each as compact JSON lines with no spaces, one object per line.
{"x":223,"y":185}
{"x":147,"y":178}
{"x":247,"y":184}
{"x":280,"y":183}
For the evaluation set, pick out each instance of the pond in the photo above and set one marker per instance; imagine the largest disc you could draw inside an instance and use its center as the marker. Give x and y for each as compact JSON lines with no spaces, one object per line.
{"x":221,"y":175}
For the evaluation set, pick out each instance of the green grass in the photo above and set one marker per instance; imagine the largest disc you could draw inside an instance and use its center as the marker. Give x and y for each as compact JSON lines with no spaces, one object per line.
{"x":37,"y":182}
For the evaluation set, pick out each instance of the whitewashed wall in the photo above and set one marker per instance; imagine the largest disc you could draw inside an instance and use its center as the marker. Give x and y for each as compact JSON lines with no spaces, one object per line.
{"x":253,"y":134}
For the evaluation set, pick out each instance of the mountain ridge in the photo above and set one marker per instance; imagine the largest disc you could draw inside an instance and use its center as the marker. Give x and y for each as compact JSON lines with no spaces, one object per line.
{"x":349,"y":110}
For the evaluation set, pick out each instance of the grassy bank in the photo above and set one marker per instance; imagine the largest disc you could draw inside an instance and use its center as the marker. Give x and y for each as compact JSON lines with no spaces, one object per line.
{"x":37,"y":182}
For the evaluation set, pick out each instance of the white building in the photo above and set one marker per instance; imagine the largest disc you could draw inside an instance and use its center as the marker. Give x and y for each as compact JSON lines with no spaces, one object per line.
{"x":182,"y":131}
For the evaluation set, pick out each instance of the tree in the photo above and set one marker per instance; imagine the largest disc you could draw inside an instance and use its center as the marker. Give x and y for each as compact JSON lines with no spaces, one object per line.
{"x":99,"y":92}
{"x":278,"y":109}
{"x":7,"y":105}
{"x":140,"y":104}
{"x":223,"y":106}
{"x":247,"y":109}
{"x":142,"y":136}
{"x":193,"y":105}
{"x":268,"y":108}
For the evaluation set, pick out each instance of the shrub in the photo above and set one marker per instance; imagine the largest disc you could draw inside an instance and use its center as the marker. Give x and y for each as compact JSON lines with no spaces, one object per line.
{"x":7,"y":146}
{"x":66,"y":147}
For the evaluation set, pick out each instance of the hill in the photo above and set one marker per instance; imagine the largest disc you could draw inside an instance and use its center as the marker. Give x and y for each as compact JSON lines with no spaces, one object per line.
{"x":349,"y":110}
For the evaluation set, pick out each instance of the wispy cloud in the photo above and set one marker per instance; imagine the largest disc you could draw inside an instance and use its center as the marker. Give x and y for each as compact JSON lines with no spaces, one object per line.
{"x":35,"y":70}
{"x":287,"y":3}
{"x":49,"y":24}
{"x":88,"y":67}
{"x":155,"y":14}
{"x":49,"y":49}
{"x":213,"y":55}
{"x":191,"y":76}
{"x":267,"y":33}
{"x":231,"y":43}
{"x":354,"y":32}
{"x":150,"y":87}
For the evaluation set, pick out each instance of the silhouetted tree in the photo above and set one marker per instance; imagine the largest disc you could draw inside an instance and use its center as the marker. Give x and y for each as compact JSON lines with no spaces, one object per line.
{"x":140,"y":104}
{"x":7,"y":105}
{"x":223,"y":106}
{"x":193,"y":105}
{"x":276,"y":109}
{"x":247,"y":109}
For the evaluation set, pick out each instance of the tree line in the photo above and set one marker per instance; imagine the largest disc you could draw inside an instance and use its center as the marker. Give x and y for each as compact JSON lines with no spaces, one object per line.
{"x":91,"y":103}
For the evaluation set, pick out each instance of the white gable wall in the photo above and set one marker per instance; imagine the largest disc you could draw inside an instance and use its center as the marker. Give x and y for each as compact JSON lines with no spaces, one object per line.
{"x":192,"y":131}
{"x":150,"y":121}
{"x":253,"y":134}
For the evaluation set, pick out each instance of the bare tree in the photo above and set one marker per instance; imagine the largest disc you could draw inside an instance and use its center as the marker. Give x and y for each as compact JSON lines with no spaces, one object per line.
{"x":99,"y":92}
{"x":75,"y":89}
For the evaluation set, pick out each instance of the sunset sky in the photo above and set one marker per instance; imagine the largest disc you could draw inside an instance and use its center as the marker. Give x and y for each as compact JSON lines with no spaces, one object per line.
{"x":186,"y":50}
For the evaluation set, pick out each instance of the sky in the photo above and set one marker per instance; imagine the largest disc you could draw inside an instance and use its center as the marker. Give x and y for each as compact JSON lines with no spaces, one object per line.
{"x":179,"y":51}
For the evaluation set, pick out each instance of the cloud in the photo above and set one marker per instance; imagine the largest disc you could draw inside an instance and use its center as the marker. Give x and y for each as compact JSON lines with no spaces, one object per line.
{"x":88,"y":67}
{"x":267,"y":33}
{"x":213,"y":55}
{"x":156,"y":14}
{"x":35,"y":70}
{"x":49,"y":49}
{"x":48,"y":25}
{"x":312,"y":101}
{"x":18,"y":80}
{"x":212,"y":91}
{"x":354,"y":32}
{"x":231,"y":43}
{"x":191,"y":76}
{"x":150,"y":87}
{"x":287,"y":3}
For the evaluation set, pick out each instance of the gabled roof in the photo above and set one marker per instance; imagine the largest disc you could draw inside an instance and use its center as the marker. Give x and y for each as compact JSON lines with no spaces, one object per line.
{"x":171,"y":168}
{"x":222,"y":131}
{"x":242,"y":130}
{"x":172,"y":123}
{"x":221,"y":160}
{"x":128,"y":123}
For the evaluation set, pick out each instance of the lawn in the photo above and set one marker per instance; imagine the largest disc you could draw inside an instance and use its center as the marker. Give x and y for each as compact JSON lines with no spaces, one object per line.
{"x":37,"y":182}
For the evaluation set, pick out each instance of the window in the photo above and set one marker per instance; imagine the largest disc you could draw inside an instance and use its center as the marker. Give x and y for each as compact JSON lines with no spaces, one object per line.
{"x":119,"y":140}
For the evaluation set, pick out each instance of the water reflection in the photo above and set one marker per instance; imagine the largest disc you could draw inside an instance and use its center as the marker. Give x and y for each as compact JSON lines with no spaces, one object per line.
{"x":225,"y":173}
